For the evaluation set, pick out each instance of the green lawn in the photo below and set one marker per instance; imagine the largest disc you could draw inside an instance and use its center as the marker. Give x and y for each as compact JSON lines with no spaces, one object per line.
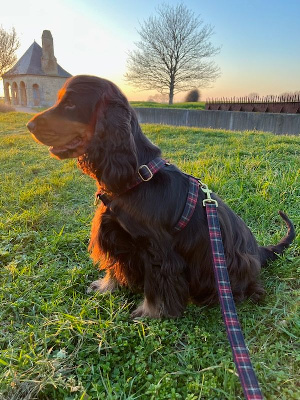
{"x":58,"y":342}
{"x":196,"y":105}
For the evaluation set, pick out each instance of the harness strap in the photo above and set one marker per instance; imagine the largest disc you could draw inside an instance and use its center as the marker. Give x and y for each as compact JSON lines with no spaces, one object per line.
{"x":235,"y":336}
{"x":190,"y":204}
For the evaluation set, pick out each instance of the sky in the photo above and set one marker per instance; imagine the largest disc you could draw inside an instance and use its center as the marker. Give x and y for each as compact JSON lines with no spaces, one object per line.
{"x":259,"y":39}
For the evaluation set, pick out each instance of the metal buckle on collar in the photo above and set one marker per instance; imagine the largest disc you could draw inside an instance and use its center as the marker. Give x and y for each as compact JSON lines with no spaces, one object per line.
{"x":148,"y":170}
{"x":207,"y":191}
{"x":97,"y":199}
{"x":101,"y":197}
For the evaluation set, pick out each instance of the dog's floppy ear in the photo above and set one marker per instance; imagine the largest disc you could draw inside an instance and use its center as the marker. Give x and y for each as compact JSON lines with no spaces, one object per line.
{"x":111,"y":156}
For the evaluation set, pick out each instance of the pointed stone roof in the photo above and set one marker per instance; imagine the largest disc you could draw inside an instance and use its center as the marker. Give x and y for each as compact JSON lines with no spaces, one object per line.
{"x":30,"y":64}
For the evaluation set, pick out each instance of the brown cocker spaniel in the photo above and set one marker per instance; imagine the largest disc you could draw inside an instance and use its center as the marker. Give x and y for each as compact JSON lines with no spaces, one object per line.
{"x":133,"y":236}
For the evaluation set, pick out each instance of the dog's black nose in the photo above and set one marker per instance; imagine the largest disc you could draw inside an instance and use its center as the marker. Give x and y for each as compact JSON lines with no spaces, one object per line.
{"x":31,"y":126}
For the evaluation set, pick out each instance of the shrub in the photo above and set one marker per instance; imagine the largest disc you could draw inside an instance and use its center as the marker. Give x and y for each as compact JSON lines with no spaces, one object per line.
{"x":193,"y":96}
{"x":5,"y":107}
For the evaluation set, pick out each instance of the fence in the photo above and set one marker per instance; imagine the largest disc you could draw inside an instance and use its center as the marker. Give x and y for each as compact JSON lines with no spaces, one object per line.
{"x":228,"y":120}
{"x":273,"y":104}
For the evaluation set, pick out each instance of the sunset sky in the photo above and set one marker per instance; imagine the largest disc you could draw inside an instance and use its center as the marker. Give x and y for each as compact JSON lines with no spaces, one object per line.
{"x":260,"y":39}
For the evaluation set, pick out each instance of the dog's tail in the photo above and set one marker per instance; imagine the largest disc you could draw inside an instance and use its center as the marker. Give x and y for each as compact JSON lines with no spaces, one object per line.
{"x":270,"y":253}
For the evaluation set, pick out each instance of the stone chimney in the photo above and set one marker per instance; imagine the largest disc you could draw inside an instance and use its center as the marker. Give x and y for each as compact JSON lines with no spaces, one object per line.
{"x":49,"y":63}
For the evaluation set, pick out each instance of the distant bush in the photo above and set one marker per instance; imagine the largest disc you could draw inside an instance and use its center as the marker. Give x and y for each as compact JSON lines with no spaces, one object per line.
{"x":193,"y":96}
{"x":5,"y":107}
{"x":159,"y":98}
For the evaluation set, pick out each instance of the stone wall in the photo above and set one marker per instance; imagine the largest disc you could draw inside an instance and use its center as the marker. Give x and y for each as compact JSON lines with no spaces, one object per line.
{"x":228,"y":120}
{"x":32,"y":90}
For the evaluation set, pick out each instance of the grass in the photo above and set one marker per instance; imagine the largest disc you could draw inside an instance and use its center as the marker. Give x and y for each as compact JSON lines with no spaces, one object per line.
{"x":196,"y":105}
{"x":58,"y":342}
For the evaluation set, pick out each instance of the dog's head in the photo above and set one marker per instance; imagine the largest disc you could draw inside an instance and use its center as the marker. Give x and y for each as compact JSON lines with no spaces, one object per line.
{"x":91,"y":120}
{"x":83,"y":104}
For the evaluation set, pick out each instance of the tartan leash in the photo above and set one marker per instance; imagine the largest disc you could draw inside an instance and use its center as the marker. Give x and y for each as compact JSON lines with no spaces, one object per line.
{"x":235,"y":336}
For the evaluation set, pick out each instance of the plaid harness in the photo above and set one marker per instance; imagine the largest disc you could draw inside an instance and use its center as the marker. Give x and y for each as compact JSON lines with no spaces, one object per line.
{"x":145,"y":173}
{"x":235,"y":336}
{"x":190,"y":204}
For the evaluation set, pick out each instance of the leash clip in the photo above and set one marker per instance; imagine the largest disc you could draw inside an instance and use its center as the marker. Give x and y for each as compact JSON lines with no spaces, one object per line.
{"x":207,"y":191}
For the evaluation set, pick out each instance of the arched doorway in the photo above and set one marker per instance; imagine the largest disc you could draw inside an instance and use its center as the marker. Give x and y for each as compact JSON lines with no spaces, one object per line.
{"x":36,"y":94}
{"x":15,"y":94}
{"x":23,"y":94}
{"x":7,"y":93}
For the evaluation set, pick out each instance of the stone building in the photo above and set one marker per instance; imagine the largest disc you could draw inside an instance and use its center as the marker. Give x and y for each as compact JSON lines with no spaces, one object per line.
{"x":36,"y":78}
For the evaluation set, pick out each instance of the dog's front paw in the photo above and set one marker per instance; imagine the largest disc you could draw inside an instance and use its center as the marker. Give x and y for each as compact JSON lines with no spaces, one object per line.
{"x":144,"y":310}
{"x":138,"y":313}
{"x":105,"y":285}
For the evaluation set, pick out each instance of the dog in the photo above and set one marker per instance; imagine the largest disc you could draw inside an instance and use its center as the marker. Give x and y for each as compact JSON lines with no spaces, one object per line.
{"x":132,"y":235}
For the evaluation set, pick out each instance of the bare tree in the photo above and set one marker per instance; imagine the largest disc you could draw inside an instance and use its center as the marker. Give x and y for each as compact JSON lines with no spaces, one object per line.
{"x":253,"y":96}
{"x":289,"y":94}
{"x":9,"y":43}
{"x":270,"y":97}
{"x":173,"y":54}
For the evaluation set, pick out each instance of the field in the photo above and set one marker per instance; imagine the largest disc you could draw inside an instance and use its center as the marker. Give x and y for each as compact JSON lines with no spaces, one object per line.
{"x":58,"y":342}
{"x":151,"y":104}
